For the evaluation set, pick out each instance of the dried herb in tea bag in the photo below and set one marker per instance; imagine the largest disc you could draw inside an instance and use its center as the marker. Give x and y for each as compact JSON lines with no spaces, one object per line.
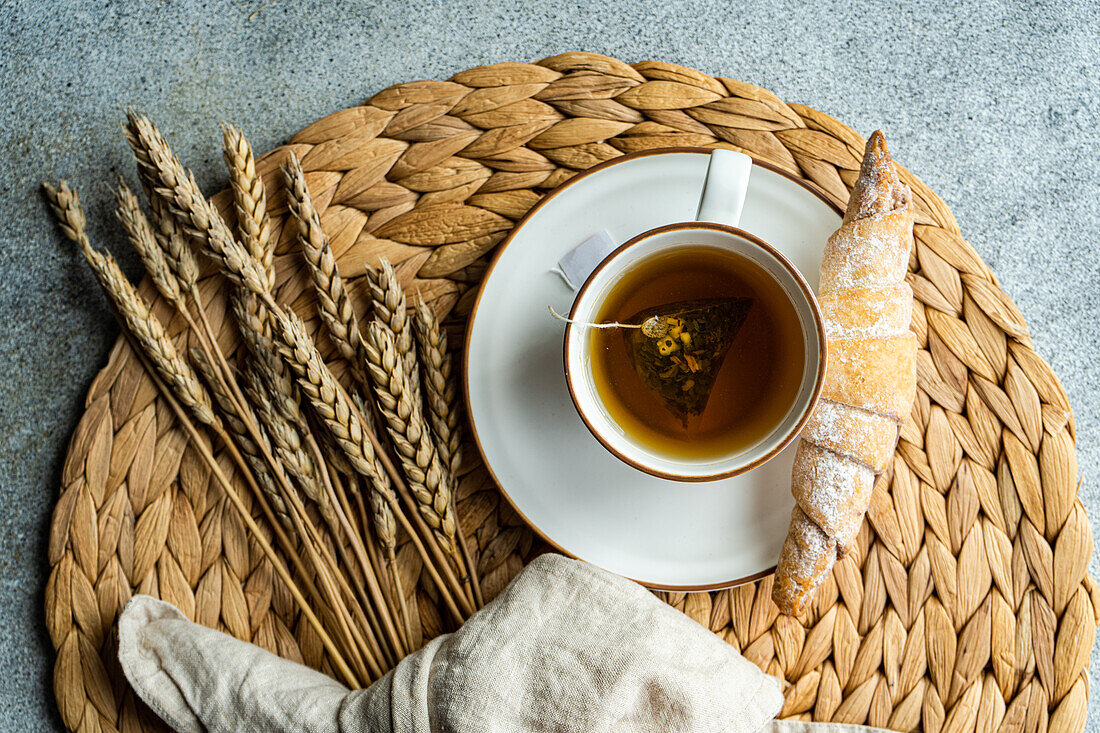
{"x":681,"y":346}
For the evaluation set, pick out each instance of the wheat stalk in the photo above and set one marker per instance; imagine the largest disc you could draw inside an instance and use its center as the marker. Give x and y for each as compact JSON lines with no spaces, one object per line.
{"x":185,"y":386}
{"x":140,"y":321}
{"x":440,"y":395}
{"x":431,"y":484}
{"x":311,"y":475}
{"x":275,"y":445}
{"x":331,"y":403}
{"x":333,"y":303}
{"x":274,"y":393}
{"x":391,"y":309}
{"x":327,"y":398}
{"x":169,"y":235}
{"x":382,"y":514}
{"x":198,"y":217}
{"x":250,"y":198}
{"x":140,"y":233}
{"x":425,"y":474}
{"x":177,"y":186}
{"x":141,"y":236}
{"x":391,"y":313}
{"x":236,"y":426}
{"x":438,"y":386}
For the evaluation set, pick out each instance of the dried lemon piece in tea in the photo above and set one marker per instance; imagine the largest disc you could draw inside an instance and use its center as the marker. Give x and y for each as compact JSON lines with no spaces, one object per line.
{"x":680,"y":347}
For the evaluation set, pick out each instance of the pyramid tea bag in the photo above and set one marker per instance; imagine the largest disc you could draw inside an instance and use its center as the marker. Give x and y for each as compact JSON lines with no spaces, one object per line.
{"x":680,"y":347}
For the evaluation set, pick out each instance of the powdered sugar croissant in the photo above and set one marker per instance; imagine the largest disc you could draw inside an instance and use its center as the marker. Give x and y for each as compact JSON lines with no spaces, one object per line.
{"x":870,"y":380}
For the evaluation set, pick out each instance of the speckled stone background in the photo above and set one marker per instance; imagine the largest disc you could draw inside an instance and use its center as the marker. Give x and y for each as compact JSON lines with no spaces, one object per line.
{"x":995,"y":106}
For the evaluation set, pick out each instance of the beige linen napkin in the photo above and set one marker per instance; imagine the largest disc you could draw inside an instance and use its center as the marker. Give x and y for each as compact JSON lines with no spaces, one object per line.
{"x":565,"y":647}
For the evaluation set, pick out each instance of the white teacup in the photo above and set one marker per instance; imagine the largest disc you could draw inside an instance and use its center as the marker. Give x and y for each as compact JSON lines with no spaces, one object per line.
{"x":587,"y":306}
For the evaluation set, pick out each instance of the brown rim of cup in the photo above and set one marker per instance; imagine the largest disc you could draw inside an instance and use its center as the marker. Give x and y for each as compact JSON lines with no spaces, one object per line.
{"x":817,"y":321}
{"x":805,"y":184}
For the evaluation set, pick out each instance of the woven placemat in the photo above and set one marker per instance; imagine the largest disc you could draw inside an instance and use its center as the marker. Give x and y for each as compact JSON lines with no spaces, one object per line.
{"x":966,"y":605}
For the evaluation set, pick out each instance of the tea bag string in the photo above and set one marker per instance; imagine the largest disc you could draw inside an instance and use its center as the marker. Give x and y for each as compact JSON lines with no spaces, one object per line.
{"x":588,"y":324}
{"x":650,"y":326}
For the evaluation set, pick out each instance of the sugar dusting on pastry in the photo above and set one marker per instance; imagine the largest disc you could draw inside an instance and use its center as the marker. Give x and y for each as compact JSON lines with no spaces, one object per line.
{"x":831,"y":487}
{"x":866,"y":313}
{"x":857,"y":434}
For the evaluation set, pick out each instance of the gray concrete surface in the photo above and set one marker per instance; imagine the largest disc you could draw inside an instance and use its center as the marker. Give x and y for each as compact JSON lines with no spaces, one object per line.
{"x":994,"y":106}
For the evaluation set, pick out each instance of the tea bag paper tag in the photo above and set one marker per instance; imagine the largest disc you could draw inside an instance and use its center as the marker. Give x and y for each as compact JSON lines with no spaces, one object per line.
{"x":579,"y":262}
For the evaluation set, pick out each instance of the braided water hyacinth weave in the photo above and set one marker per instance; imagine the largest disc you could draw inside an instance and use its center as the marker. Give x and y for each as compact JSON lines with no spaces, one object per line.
{"x":966,"y":604}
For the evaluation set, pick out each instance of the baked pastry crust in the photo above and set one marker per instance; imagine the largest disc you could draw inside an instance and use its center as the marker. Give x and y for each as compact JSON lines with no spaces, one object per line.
{"x":870,"y":378}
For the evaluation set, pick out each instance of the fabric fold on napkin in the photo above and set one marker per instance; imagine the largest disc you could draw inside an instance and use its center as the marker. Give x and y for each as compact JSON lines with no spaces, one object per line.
{"x":564,"y":647}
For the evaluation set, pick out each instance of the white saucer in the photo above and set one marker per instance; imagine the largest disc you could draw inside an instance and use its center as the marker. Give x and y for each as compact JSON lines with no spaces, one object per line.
{"x":570,"y":489}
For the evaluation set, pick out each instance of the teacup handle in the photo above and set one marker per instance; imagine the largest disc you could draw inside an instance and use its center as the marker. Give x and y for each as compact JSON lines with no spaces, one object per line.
{"x":721,"y":202}
{"x":724,"y":191}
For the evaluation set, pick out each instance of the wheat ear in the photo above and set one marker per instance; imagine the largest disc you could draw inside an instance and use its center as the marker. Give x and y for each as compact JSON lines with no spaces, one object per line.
{"x":250,"y":198}
{"x":333,"y":303}
{"x":440,"y":396}
{"x":391,"y":309}
{"x":283,"y":389}
{"x":145,"y":327}
{"x":438,"y":386}
{"x":155,"y":259}
{"x":194,"y":211}
{"x":391,"y":313}
{"x":140,"y":233}
{"x":235,"y":425}
{"x":169,"y":235}
{"x":427,"y":478}
{"x":288,"y":443}
{"x":198,"y":217}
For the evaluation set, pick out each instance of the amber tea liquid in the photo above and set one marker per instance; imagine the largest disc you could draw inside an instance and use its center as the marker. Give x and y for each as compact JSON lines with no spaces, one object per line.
{"x":757,"y":382}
